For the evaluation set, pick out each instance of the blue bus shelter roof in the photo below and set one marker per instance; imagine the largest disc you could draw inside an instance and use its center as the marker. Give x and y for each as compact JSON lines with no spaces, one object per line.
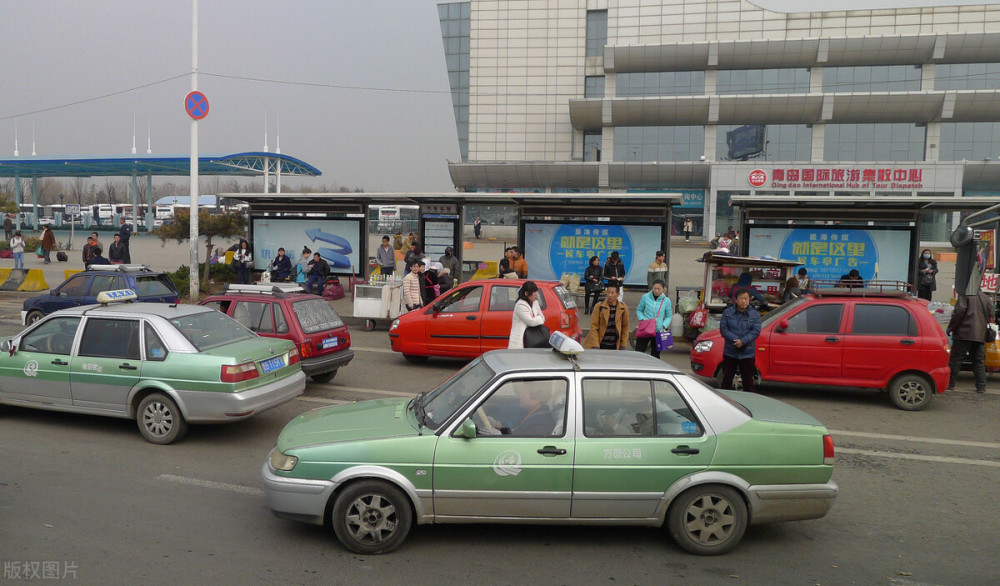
{"x":240,"y":164}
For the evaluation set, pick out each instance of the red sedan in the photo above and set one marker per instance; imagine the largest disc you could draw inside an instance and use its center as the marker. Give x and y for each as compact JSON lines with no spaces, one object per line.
{"x":475,"y":317}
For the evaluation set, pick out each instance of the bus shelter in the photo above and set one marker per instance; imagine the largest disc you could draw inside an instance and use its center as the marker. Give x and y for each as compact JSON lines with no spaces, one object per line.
{"x":558,"y":233}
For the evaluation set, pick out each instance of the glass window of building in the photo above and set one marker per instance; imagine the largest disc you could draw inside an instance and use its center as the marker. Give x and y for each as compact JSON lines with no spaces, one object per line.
{"x":660,"y":83}
{"x":593,"y":86}
{"x":455,"y":25}
{"x":967,"y":76}
{"x":592,"y":145}
{"x":762,"y":81}
{"x":970,"y":141}
{"x":782,"y":142}
{"x":597,"y":32}
{"x":877,"y":78}
{"x":659,"y":143}
{"x":874,"y":142}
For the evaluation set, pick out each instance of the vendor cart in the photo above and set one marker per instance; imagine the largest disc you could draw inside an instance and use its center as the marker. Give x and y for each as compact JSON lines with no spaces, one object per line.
{"x":379,"y":301}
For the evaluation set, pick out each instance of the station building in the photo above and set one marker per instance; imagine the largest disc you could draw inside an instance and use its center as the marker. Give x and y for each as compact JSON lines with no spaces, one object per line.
{"x":720,"y":98}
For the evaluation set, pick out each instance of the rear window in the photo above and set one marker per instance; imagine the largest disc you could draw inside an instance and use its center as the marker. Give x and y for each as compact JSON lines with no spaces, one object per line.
{"x":210,"y":329}
{"x":316,"y":315}
{"x":154,"y":286}
{"x":567,"y":299}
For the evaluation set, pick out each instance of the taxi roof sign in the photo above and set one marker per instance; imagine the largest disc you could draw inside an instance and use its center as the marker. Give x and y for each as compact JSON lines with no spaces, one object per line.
{"x":117,"y":295}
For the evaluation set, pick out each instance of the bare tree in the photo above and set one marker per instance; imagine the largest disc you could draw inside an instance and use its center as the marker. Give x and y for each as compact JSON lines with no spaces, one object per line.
{"x":110,"y":189}
{"x":78,"y":188}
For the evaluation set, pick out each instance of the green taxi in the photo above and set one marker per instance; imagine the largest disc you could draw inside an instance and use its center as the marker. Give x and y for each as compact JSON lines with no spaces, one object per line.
{"x":534,"y":436}
{"x":163,"y":365}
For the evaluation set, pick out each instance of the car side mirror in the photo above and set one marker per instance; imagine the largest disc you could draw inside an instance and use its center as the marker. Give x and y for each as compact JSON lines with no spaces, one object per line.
{"x":468,"y":429}
{"x":7,"y":346}
{"x":782,"y":325}
{"x":438,"y":307}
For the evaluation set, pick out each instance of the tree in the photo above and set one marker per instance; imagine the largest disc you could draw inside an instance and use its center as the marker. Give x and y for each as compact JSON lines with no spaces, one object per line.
{"x":78,"y":188}
{"x":228,"y":225}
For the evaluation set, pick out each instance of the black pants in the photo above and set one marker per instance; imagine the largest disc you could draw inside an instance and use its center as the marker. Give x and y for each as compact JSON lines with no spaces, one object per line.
{"x":924,"y":292}
{"x":977,"y":351}
{"x":747,"y":367}
{"x":642,"y":343}
{"x":590,"y":300}
{"x":387,"y":271}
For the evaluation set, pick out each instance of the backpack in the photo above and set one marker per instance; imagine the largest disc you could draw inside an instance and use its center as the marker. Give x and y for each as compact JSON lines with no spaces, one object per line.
{"x":61,"y":256}
{"x":332,"y":289}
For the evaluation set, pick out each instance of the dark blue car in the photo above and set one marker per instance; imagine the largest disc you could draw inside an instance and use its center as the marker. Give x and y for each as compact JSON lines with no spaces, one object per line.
{"x":83,"y":288}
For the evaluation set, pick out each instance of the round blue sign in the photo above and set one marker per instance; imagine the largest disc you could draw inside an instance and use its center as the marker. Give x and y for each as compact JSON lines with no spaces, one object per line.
{"x":573,"y":244}
{"x":830,"y":253}
{"x":196,"y":105}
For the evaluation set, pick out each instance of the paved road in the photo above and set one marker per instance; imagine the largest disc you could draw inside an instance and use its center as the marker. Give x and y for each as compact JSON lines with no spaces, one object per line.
{"x":89,"y":496}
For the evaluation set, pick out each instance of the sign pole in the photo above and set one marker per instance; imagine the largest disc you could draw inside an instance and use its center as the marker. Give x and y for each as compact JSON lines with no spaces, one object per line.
{"x":193,"y":234}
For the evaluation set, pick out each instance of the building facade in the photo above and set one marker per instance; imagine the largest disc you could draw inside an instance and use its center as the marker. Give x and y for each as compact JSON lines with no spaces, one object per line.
{"x":716,"y":98}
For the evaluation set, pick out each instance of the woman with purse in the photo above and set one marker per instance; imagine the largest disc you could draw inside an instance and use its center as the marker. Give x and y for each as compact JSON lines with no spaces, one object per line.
{"x":927,"y":269}
{"x":593,"y":279}
{"x":654,"y":313}
{"x":527,"y":314}
{"x":243,"y":262}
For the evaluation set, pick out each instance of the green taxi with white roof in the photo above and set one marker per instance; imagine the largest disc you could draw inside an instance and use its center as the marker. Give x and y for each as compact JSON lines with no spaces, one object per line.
{"x":163,"y":365}
{"x":542,"y":437}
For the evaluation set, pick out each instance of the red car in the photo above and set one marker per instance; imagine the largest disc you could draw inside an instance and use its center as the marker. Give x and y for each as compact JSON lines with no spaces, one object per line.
{"x":285,"y":311}
{"x":475,"y":317}
{"x":879,"y":340}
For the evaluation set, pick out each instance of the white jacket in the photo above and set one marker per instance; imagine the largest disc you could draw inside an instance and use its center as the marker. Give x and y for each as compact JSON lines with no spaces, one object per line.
{"x":524,"y":317}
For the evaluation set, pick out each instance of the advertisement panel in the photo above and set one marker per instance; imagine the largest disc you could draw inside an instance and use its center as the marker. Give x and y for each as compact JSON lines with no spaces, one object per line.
{"x":552,"y":249}
{"x":337,"y":241}
{"x":829,"y":252}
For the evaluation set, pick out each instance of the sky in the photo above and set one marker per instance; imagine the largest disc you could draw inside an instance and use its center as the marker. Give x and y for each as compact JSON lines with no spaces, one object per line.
{"x":359,"y":87}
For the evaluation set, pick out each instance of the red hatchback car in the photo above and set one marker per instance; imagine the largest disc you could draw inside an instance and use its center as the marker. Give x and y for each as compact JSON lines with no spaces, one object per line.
{"x":862,"y":338}
{"x":475,"y":317}
{"x":285,"y":311}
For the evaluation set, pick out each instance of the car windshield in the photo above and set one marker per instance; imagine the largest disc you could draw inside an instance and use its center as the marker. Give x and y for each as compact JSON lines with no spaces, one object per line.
{"x":154,"y":285}
{"x":316,"y":315}
{"x":782,"y":310}
{"x":441,"y":403}
{"x":210,"y":329}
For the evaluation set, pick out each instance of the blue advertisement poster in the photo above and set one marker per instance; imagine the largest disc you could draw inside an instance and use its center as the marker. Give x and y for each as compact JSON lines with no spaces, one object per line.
{"x":337,"y":241}
{"x":552,"y":249}
{"x":829,"y":252}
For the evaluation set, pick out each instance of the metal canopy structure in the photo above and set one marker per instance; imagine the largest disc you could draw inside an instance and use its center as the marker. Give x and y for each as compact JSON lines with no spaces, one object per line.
{"x":240,"y":164}
{"x":851,"y":208}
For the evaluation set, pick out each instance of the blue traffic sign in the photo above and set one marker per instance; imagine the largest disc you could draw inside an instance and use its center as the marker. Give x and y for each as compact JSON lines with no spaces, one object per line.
{"x":196,"y":105}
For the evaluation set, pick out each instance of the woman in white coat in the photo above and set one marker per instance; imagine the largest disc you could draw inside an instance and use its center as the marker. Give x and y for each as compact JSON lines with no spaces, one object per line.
{"x":527,"y":313}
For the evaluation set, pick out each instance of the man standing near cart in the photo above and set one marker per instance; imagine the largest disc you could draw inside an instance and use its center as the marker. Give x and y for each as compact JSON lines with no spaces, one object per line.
{"x":739,"y":327}
{"x":385,"y":256}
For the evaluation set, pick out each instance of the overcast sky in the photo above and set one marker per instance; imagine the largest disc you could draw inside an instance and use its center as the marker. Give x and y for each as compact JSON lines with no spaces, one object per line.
{"x":62,"y":58}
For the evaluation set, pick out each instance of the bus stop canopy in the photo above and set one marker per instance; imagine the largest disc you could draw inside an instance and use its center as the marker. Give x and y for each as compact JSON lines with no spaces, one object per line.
{"x":852,"y":208}
{"x":240,"y":164}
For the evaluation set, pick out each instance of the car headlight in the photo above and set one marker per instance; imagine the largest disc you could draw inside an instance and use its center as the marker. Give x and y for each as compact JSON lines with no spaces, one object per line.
{"x":283,"y":462}
{"x":395,"y":324}
{"x":703,"y":346}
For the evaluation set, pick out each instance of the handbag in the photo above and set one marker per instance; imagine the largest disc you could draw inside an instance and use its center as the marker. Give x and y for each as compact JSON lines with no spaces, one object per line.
{"x":664,"y":341}
{"x":927,"y":279}
{"x":647,"y":327}
{"x":699,"y":318}
{"x":536,"y":337}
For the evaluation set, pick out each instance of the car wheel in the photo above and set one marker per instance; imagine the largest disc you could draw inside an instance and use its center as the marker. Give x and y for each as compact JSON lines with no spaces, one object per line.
{"x":371,"y":517}
{"x":708,"y":520}
{"x":324,"y":377}
{"x":910,"y":392}
{"x":159,"y":419}
{"x":33,"y":316}
{"x":369,"y":325}
{"x":414,"y":358}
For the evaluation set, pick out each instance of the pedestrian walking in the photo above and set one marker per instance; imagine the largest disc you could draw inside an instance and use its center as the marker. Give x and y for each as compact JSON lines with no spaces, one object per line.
{"x":609,"y":323}
{"x":614,"y":271}
{"x":125,"y":231}
{"x":927,"y":270}
{"x":657,"y":270}
{"x":654,"y":305}
{"x":969,"y":327}
{"x":477,"y":228}
{"x":739,"y":327}
{"x":17,"y":247}
{"x":593,"y":283}
{"x":385,"y":256}
{"x":412,"y":298}
{"x":527,"y":314}
{"x":243,"y":262}
{"x":688,"y":228}
{"x":8,"y":227}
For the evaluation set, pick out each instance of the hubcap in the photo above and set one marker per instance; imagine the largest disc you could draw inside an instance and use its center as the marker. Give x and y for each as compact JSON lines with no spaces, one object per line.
{"x":371,"y":519}
{"x":912,"y":393}
{"x":157,"y":419}
{"x":710,"y":520}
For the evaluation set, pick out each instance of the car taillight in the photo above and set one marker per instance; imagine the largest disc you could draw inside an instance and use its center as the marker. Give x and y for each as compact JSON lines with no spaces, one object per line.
{"x":306,"y":349}
{"x":828,"y":450}
{"x":293,"y":356}
{"x":563,"y":319}
{"x":239,"y":372}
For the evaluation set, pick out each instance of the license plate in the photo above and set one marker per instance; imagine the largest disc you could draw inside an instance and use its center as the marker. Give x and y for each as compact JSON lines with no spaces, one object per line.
{"x":272,"y":364}
{"x":330,"y":343}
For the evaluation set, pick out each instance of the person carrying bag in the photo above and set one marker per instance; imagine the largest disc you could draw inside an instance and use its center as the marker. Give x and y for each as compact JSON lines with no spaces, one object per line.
{"x":527,"y":315}
{"x":653,"y":324}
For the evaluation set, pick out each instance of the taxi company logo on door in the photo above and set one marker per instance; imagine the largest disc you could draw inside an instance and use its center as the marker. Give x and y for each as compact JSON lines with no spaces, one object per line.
{"x":508,"y":463}
{"x":31,"y":368}
{"x":757,"y":177}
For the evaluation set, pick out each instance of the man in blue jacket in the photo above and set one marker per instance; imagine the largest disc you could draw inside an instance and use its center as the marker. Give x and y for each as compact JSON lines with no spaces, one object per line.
{"x":739,"y":327}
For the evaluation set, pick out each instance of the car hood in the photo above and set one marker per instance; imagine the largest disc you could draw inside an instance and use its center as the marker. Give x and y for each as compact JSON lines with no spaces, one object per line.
{"x":771,"y":410}
{"x":342,"y":423}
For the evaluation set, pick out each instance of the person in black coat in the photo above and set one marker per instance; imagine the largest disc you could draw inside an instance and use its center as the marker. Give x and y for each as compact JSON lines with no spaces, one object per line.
{"x":281,"y":266}
{"x":927,"y":270}
{"x":614,"y":271}
{"x":318,"y":271}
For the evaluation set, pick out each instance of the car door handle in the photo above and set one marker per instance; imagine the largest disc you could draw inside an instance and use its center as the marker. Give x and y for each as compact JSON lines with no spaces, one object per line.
{"x":470,"y":317}
{"x":685,"y":450}
{"x":58,"y":362}
{"x":832,"y":339}
{"x":127,"y":366}
{"x":908,"y":342}
{"x":552,"y":451}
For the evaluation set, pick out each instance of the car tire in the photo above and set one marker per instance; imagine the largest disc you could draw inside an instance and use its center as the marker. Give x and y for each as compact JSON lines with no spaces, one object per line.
{"x":414,"y":358}
{"x":324,"y":377}
{"x":369,"y":325}
{"x":33,"y":316}
{"x":371,"y":517}
{"x":708,"y":520}
{"x":159,"y":419}
{"x":910,"y":392}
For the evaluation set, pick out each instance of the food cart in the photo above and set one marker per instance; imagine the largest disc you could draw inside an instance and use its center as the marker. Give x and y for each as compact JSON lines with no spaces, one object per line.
{"x":378,"y":300}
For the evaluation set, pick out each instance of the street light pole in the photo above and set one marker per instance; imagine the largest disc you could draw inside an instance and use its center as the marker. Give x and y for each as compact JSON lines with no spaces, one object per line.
{"x":193,"y":233}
